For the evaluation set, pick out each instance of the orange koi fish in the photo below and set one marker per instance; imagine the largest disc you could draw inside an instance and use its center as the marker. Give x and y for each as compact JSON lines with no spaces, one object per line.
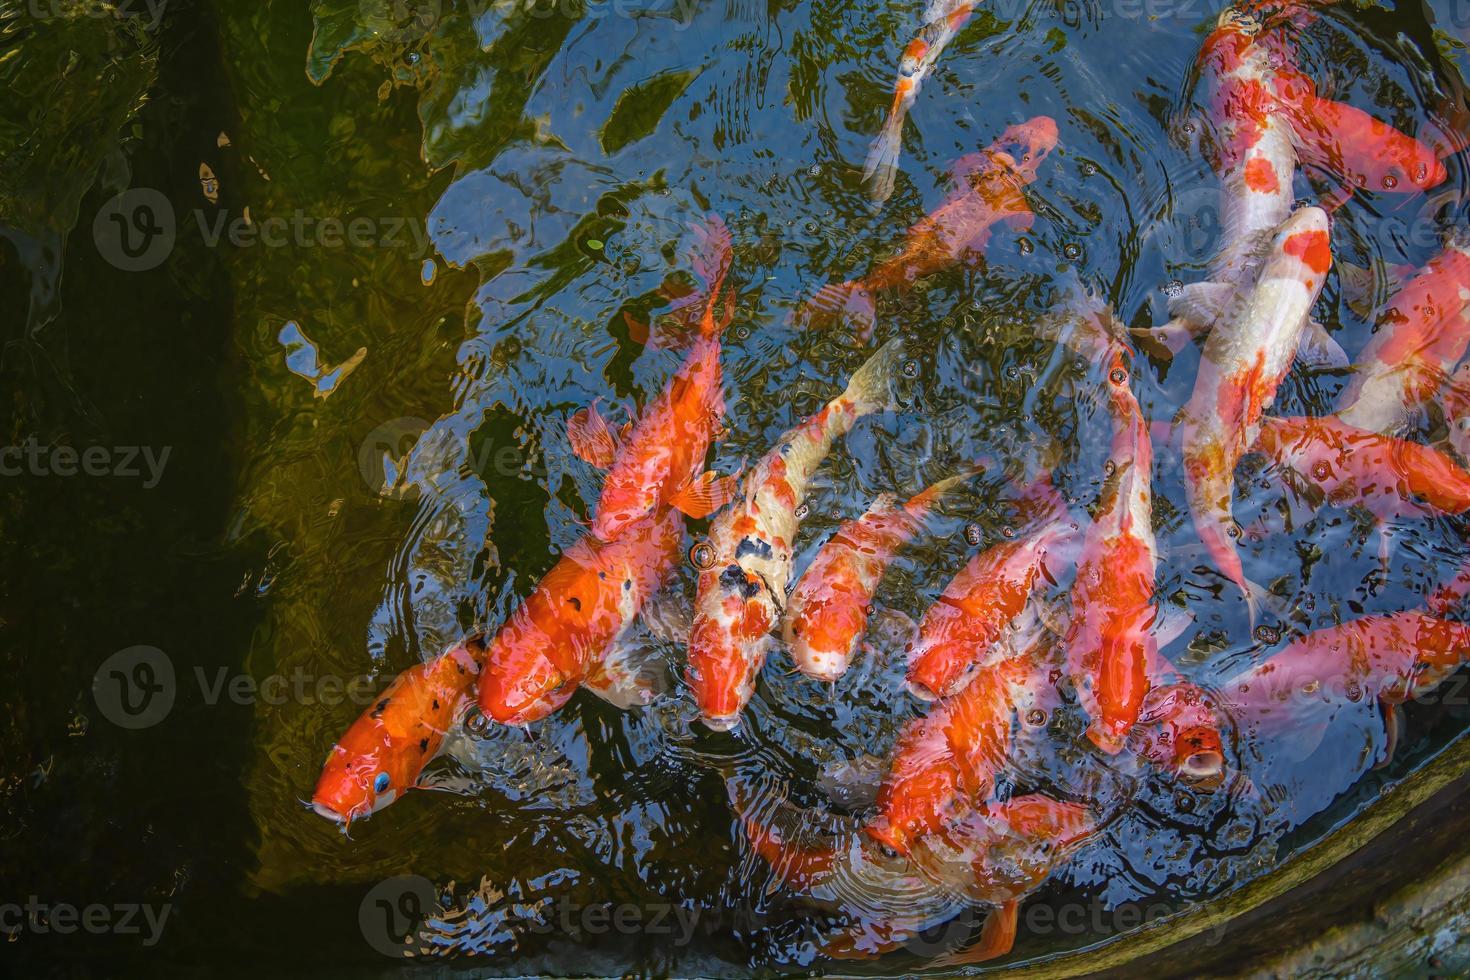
{"x":660,"y":461}
{"x":1389,"y":658}
{"x":1244,"y":361}
{"x":384,"y":752}
{"x":1422,"y":332}
{"x":948,"y":759}
{"x":1110,"y":641}
{"x":989,"y":191}
{"x":741,"y":592}
{"x":1392,"y":478}
{"x":1353,"y":147}
{"x":960,"y":630}
{"x":565,"y":634}
{"x":942,"y":22}
{"x":993,"y":854}
{"x":828,"y":610}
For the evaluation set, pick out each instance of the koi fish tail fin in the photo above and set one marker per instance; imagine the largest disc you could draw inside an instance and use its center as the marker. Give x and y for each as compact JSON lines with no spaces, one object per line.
{"x":872,"y":388}
{"x":997,"y":937}
{"x":633,"y":673}
{"x":880,"y":170}
{"x":926,"y":500}
{"x":1318,"y":349}
{"x":845,"y":301}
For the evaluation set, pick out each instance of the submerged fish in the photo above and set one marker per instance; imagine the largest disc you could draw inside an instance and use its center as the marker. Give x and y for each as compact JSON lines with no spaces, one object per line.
{"x":565,"y":634}
{"x":942,"y":22}
{"x":1245,"y":359}
{"x":828,"y":610}
{"x":1420,"y":335}
{"x":660,"y":461}
{"x":962,"y":629}
{"x":742,"y":591}
{"x":383,"y":754}
{"x":1110,"y":641}
{"x":989,"y":192}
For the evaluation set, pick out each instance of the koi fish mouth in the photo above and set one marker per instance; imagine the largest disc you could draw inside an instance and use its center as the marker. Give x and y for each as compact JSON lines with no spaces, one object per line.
{"x":721,"y":723}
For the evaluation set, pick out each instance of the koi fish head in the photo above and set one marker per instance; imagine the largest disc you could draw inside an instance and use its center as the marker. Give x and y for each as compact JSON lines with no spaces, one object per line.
{"x":939,"y":666}
{"x":920,"y":793}
{"x":727,"y":644}
{"x":1028,"y":144}
{"x":821,"y":633}
{"x":365,"y":772}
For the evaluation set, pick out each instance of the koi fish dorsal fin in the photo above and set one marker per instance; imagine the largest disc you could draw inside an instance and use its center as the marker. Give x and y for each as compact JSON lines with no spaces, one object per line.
{"x":705,"y":494}
{"x":590,"y":437}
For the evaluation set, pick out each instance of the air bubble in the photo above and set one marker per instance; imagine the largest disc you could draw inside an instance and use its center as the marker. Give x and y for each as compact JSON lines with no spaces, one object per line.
{"x":476,"y":723}
{"x":910,"y":369}
{"x":702,"y":556}
{"x":815,"y":170}
{"x":1109,"y":468}
{"x":972,"y":533}
{"x":1390,"y":182}
{"x":1183,"y":802}
{"x":802,"y":510}
{"x":1024,"y":246}
{"x":1267,"y":634}
{"x":1173,"y":288}
{"x":1007,"y":532}
{"x":1354,"y":693}
{"x":1012,"y":372}
{"x":1072,"y":251}
{"x":1232,"y":530}
{"x":1088,"y":168}
{"x":1036,"y":717}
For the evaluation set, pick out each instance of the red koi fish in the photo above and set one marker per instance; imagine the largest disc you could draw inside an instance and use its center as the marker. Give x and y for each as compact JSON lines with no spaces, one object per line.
{"x":947,"y":760}
{"x":994,"y":854}
{"x":1351,"y":146}
{"x":942,"y":22}
{"x":828,"y":610}
{"x":741,"y":592}
{"x":1110,"y":641}
{"x":1245,"y":359}
{"x":1421,"y":334}
{"x":1392,"y":478}
{"x":960,"y":631}
{"x":565,"y":634}
{"x":989,"y":192}
{"x":660,"y":461}
{"x":1388,"y":658}
{"x":384,"y":752}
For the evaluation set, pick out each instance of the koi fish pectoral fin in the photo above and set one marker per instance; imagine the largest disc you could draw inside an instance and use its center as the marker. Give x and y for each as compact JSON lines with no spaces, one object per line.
{"x":591,"y":438}
{"x":1171,"y":623}
{"x":706,"y":494}
{"x":1165,"y":341}
{"x":632,"y":674}
{"x":880,"y":170}
{"x":1318,"y":349}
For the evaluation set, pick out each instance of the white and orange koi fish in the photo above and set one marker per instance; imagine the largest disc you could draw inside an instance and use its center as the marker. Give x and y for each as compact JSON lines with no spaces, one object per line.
{"x":942,"y":22}
{"x":741,"y":593}
{"x":1245,"y":359}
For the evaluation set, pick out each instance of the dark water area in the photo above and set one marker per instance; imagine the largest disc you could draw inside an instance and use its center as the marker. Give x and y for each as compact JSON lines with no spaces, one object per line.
{"x":335,"y":439}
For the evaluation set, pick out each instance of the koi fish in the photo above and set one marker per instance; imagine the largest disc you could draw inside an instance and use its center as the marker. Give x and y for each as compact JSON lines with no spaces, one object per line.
{"x":1351,"y":146}
{"x":989,"y":191}
{"x":942,"y":22}
{"x":1389,"y":658}
{"x":964,"y":625}
{"x":1110,"y":641}
{"x":1255,"y":161}
{"x":565,"y":634}
{"x":1392,"y":478}
{"x":384,"y":752}
{"x":828,"y":610}
{"x":994,"y":854}
{"x":1420,"y":335}
{"x":660,"y":461}
{"x":1455,"y":406}
{"x":948,"y":760}
{"x":741,"y":592}
{"x":1245,"y":359}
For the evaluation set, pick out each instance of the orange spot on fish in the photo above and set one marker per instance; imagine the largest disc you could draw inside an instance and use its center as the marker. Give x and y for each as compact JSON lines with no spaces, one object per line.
{"x":1313,"y":248}
{"x":1260,"y":176}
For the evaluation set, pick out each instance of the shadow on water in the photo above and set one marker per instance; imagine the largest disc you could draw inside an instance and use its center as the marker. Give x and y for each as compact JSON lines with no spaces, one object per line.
{"x":368,"y":451}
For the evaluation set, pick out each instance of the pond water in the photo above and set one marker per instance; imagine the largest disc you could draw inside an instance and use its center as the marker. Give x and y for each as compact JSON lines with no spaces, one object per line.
{"x":388,"y":251}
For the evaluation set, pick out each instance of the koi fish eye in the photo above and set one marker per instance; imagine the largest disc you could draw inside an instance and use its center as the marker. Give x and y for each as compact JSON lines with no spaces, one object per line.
{"x":1118,"y":376}
{"x":1390,"y":182}
{"x":702,"y":556}
{"x":381,"y":782}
